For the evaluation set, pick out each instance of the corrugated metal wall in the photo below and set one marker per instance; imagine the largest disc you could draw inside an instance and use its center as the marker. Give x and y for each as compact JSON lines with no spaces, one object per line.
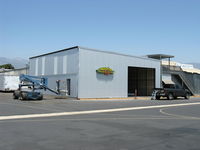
{"x":197,"y":83}
{"x":94,"y":85}
{"x":58,"y":66}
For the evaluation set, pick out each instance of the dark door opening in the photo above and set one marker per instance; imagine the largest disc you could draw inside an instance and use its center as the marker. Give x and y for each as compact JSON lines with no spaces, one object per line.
{"x":68,"y":86}
{"x":141,"y":81}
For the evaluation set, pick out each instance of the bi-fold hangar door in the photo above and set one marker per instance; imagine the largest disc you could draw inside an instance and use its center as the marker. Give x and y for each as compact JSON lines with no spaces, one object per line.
{"x":141,"y":81}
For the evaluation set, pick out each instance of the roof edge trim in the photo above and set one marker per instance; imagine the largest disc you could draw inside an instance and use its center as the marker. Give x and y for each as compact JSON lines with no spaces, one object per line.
{"x":115,"y":53}
{"x":66,"y":49}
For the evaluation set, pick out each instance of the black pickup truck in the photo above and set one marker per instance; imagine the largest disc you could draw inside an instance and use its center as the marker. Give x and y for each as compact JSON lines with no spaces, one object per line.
{"x":170,"y":91}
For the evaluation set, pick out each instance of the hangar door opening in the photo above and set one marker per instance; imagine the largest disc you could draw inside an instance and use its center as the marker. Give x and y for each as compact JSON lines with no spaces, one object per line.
{"x":141,"y":81}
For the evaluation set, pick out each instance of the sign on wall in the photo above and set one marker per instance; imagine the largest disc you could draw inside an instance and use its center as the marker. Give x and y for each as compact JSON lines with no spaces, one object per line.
{"x":105,"y":71}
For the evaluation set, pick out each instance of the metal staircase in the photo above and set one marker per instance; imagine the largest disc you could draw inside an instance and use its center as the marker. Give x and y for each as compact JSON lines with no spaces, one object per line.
{"x":185,"y":77}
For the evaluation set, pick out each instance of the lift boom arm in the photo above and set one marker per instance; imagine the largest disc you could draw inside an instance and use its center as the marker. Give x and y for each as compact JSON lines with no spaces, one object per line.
{"x":37,"y":83}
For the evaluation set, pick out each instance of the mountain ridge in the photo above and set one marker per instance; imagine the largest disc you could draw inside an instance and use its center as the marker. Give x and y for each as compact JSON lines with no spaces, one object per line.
{"x":16,"y":62}
{"x":196,"y":65}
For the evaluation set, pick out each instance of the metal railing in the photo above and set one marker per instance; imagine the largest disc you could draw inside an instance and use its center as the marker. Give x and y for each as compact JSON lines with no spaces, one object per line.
{"x":184,"y":76}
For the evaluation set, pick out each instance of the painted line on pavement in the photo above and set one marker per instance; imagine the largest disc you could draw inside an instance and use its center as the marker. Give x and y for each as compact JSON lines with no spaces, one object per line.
{"x":90,"y":111}
{"x":176,"y":115}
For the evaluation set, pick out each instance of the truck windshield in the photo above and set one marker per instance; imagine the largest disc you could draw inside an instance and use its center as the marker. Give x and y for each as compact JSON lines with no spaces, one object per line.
{"x":169,"y":86}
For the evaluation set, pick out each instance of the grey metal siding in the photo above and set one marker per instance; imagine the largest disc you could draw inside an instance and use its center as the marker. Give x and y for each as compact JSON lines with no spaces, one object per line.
{"x":32,"y":67}
{"x":63,"y":83}
{"x":48,"y":62}
{"x":94,"y":85}
{"x":197,"y":83}
{"x":40,"y":66}
{"x":58,"y":66}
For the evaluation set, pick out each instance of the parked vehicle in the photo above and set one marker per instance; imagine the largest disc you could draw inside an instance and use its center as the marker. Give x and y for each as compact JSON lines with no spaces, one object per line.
{"x":30,"y":86}
{"x":170,"y":91}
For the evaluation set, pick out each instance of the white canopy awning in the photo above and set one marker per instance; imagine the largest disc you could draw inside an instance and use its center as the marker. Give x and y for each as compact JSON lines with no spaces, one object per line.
{"x":167,"y":79}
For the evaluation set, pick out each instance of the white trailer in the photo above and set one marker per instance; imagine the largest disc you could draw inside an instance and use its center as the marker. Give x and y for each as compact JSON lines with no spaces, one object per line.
{"x":9,"y":82}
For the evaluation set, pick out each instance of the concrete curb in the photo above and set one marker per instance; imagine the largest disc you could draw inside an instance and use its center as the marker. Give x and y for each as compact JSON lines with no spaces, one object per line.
{"x":117,"y":98}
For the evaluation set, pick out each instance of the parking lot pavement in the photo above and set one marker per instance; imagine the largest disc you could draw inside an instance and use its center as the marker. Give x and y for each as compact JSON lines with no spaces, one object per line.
{"x":157,"y":128}
{"x":8,"y":106}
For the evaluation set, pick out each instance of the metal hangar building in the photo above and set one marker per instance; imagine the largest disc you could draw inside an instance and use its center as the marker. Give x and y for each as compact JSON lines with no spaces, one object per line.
{"x":90,"y":73}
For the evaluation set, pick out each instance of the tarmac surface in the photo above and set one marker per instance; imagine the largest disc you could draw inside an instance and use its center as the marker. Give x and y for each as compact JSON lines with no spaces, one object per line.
{"x":149,"y":124}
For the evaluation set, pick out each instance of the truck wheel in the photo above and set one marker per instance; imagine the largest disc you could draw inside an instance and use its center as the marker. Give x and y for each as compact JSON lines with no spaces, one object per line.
{"x":187,"y":96}
{"x":24,"y":96}
{"x":40,"y":97}
{"x":158,"y":97}
{"x":16,"y":94}
{"x":170,"y":96}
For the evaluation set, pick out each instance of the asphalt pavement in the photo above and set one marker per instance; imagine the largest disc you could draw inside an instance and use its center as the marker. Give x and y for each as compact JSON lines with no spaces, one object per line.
{"x":153,"y":128}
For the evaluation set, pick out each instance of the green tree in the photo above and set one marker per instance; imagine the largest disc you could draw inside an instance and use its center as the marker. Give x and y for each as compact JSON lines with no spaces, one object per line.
{"x":7,"y":66}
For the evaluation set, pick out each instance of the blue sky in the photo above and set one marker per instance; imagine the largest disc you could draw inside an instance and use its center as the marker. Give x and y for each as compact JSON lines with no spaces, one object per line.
{"x":136,"y":27}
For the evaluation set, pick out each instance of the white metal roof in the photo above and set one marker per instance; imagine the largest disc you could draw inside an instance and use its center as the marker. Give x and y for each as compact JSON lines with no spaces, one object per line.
{"x":91,"y":49}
